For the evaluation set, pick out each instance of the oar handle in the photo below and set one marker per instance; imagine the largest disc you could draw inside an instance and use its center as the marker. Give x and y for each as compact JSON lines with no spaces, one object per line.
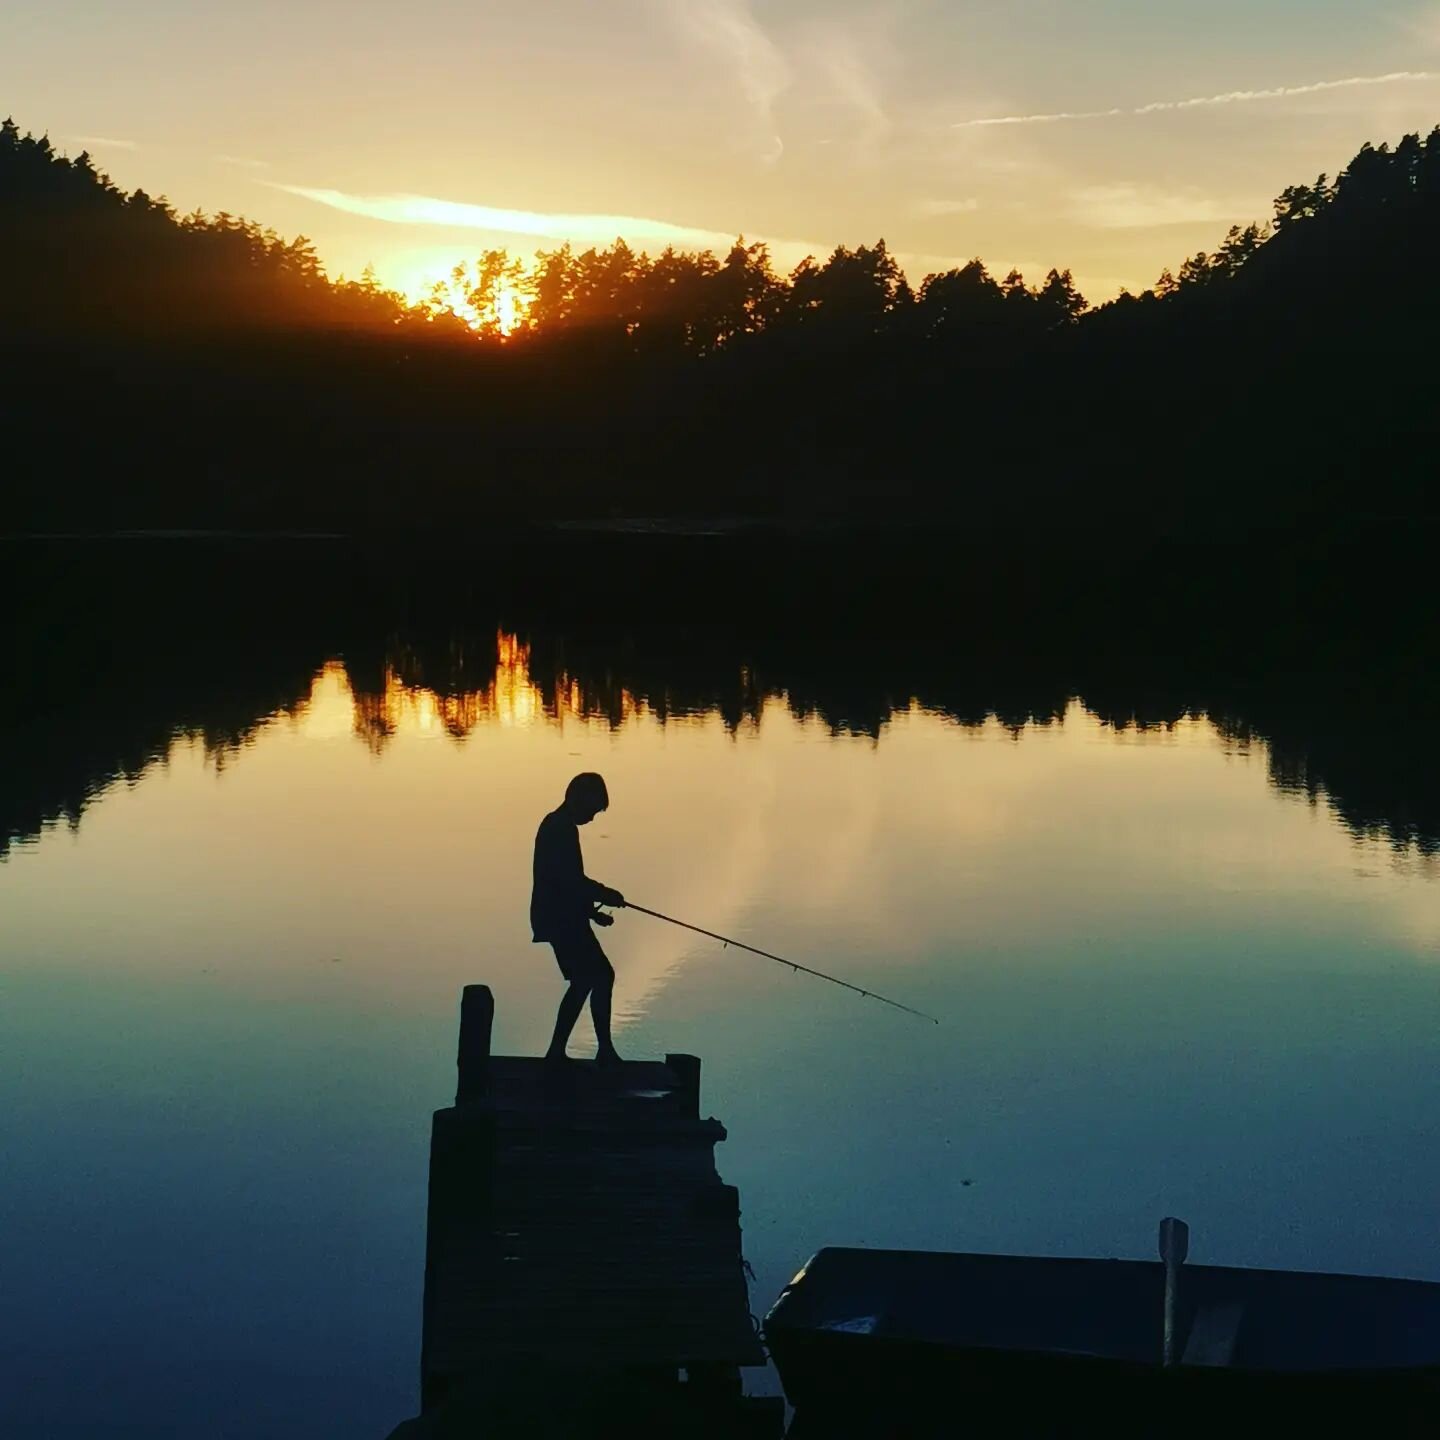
{"x":1174,"y":1247}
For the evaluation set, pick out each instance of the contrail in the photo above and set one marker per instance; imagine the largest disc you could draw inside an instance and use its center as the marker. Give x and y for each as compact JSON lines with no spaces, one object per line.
{"x":1230,"y":97}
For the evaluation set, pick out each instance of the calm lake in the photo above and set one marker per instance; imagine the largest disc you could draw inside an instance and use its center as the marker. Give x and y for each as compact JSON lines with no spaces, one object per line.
{"x":1178,"y":970}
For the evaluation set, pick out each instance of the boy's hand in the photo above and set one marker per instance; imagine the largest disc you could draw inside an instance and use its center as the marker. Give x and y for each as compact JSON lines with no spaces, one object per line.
{"x":613,"y":898}
{"x":601,"y":918}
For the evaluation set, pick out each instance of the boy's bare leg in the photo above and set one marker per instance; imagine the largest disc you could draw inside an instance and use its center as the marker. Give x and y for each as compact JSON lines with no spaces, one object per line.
{"x":571,"y":1004}
{"x":600,"y":1013}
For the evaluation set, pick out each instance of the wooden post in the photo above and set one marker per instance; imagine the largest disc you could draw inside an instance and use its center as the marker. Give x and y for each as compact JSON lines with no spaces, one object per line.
{"x":462,"y":1186}
{"x":477,"y":1015}
{"x":687,"y":1072}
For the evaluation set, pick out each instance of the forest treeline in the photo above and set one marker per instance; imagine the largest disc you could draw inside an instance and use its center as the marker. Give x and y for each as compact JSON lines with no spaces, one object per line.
{"x":152,"y":271}
{"x":172,"y":370}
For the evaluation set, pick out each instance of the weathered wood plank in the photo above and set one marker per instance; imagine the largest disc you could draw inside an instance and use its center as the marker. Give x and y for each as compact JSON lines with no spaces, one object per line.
{"x":577,"y":1219}
{"x":1213,"y":1335}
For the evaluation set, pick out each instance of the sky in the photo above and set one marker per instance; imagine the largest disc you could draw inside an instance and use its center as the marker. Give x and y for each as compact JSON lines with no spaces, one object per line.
{"x":1114,"y":137}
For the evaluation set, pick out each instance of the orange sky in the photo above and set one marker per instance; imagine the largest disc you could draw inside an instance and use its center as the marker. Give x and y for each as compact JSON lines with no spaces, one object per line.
{"x":1115,"y":137}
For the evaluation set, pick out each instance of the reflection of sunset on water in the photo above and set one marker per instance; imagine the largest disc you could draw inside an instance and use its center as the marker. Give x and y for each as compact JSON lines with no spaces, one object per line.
{"x":1115,"y":906}
{"x":403,"y":705}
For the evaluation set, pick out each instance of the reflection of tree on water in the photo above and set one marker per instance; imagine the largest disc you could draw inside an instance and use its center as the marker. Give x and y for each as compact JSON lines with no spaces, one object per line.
{"x":1376,"y":770}
{"x":108,"y":672}
{"x":1374,"y":766}
{"x":114,"y":665}
{"x":462,"y":683}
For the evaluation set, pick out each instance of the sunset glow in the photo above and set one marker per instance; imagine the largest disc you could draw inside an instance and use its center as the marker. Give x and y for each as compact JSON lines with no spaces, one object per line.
{"x":506,"y":313}
{"x":1112,"y":138}
{"x":882,"y":549}
{"x":510,"y":698}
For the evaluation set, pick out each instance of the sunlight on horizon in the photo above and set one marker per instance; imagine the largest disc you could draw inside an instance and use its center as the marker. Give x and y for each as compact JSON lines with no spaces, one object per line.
{"x":951,"y":134}
{"x":505,"y":314}
{"x":416,"y":275}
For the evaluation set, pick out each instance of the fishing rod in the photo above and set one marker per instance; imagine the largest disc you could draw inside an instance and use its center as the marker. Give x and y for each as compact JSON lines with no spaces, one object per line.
{"x":781,"y":960}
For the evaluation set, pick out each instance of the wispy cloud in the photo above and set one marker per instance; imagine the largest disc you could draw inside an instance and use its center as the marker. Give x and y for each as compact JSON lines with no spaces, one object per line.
{"x":842,"y":57}
{"x":1424,"y":26}
{"x":104,"y":142}
{"x":582,"y":229}
{"x":1230,"y":97}
{"x":729,"y":31}
{"x":934,"y":209}
{"x":242,"y":162}
{"x":1142,"y":207}
{"x":455,"y":214}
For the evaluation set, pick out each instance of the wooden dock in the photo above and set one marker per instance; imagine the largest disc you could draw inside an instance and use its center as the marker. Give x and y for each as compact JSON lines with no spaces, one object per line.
{"x":583,"y":1268}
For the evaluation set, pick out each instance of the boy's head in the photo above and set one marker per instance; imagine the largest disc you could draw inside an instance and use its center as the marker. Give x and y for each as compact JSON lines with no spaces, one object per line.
{"x":586,"y":796}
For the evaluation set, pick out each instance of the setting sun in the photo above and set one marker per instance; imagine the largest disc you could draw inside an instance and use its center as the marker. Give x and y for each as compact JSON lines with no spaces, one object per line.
{"x":503,"y":312}
{"x":444,"y":280}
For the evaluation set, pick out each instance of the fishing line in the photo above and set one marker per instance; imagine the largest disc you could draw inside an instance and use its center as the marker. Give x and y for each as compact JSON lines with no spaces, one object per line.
{"x":795,"y":966}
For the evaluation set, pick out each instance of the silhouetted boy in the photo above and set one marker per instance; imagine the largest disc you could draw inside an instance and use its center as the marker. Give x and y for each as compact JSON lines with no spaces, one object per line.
{"x":564,"y":904}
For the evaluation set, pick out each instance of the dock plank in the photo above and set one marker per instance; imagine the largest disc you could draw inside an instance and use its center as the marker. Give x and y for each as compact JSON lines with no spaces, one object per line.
{"x":577,"y":1220}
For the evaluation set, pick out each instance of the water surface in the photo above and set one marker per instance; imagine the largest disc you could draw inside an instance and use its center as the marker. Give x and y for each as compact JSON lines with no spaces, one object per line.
{"x":1176,"y":976}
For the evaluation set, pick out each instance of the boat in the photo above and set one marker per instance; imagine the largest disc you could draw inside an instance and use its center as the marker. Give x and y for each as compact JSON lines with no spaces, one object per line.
{"x":902,"y":1343}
